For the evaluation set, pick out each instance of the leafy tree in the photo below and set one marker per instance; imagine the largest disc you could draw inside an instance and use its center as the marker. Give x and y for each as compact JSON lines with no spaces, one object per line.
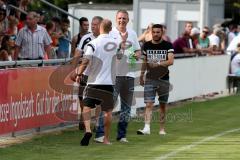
{"x":64,"y":3}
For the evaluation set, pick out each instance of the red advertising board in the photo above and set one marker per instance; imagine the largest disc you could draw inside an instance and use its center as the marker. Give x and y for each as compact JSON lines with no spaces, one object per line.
{"x":34,"y":97}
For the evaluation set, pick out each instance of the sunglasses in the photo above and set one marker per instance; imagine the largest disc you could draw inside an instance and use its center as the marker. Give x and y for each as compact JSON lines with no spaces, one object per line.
{"x":205,"y":32}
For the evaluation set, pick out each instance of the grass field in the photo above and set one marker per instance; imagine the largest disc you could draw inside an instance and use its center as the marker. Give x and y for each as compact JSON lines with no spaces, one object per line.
{"x":199,"y":130}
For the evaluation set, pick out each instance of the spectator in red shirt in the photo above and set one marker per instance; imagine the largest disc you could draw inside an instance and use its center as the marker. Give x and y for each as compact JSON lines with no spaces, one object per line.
{"x":184,"y":43}
{"x":22,"y":22}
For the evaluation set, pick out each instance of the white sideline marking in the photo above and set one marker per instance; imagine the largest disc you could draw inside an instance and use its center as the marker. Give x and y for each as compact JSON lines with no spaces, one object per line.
{"x":194,"y":144}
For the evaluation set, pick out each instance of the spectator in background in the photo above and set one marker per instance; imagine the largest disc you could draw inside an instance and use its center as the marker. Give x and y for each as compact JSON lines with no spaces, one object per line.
{"x":165,"y":36}
{"x":3,"y":22}
{"x":57,"y":30}
{"x":57,"y":23}
{"x":7,"y":48}
{"x":235,"y":63}
{"x":223,"y":37}
{"x":203,"y":42}
{"x":195,"y":32}
{"x":42,"y":20}
{"x":64,"y":39}
{"x":233,"y":32}
{"x":32,"y":40}
{"x":12,"y":12}
{"x":3,"y":4}
{"x":184,"y":44}
{"x":235,"y":66}
{"x":22,"y":21}
{"x":233,"y":45}
{"x":147,"y":34}
{"x":50,"y":27}
{"x":215,"y":41}
{"x":23,"y":6}
{"x":83,"y":27}
{"x":38,"y":17}
{"x":188,"y":27}
{"x":12,"y":27}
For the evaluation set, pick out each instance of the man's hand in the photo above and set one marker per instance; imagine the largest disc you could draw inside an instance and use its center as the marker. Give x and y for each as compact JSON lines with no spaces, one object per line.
{"x":73,"y":76}
{"x":124,"y":36}
{"x":79,"y":78}
{"x":137,"y":54}
{"x":142,"y":82}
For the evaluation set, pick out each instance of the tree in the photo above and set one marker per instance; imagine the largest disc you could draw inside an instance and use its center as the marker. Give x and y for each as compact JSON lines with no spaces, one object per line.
{"x":64,"y":3}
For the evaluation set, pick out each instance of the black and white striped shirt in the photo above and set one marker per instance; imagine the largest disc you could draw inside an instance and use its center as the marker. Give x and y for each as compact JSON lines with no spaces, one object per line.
{"x":32,"y":43}
{"x":84,"y":41}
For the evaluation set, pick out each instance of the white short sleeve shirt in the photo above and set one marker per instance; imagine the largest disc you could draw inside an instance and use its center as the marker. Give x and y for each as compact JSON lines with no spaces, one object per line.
{"x":101,"y":53}
{"x":126,"y":66}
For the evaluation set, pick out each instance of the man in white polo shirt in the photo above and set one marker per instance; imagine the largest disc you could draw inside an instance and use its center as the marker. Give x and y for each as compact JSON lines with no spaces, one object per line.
{"x":126,"y":66}
{"x":98,"y":58}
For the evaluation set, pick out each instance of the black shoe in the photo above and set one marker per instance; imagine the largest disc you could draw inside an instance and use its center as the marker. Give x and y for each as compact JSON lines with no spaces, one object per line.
{"x":85,"y":140}
{"x":140,"y":132}
{"x":118,"y":138}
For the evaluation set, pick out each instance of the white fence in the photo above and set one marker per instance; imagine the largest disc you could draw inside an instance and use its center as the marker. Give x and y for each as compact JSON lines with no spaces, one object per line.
{"x":194,"y":76}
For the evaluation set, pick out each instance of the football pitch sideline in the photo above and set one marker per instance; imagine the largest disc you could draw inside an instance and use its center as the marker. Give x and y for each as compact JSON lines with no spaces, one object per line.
{"x":195,"y":130}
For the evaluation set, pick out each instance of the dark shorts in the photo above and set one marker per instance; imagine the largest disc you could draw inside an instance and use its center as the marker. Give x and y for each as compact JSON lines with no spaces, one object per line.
{"x":82,"y":85}
{"x":161,"y":87}
{"x":99,"y":95}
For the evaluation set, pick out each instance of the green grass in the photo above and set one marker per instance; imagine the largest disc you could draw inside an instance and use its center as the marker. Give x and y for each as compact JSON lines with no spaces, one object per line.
{"x":186,"y":125}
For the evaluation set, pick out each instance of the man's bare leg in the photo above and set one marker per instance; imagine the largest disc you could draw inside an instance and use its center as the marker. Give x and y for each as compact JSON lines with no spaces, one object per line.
{"x":107,"y":126}
{"x":87,"y":123}
{"x":81,"y":123}
{"x":148,"y":112}
{"x":162,"y":117}
{"x":148,"y":117}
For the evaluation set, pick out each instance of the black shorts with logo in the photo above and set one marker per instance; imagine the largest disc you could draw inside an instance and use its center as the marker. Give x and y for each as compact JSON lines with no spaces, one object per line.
{"x":99,"y":95}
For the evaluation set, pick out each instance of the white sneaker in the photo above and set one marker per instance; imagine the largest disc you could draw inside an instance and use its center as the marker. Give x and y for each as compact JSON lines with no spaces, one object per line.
{"x":124,"y":140}
{"x":143,"y":132}
{"x":99,"y":139}
{"x":162,"y":132}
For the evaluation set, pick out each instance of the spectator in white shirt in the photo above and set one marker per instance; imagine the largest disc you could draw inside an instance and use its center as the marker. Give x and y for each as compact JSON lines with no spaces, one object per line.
{"x":215,"y":41}
{"x":233,"y":32}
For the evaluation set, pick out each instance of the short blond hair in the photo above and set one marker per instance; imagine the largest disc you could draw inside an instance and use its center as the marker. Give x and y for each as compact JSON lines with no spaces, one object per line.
{"x":106,"y":25}
{"x":122,"y":11}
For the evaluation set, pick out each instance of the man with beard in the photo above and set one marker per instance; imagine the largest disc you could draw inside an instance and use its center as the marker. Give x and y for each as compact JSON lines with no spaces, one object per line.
{"x":158,"y":56}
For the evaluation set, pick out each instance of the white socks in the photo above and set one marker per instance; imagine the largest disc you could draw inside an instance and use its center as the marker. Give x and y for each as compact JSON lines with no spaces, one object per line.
{"x":146,"y":127}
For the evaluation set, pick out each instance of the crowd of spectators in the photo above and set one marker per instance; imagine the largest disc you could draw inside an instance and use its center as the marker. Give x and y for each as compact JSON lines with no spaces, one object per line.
{"x":208,"y":40}
{"x":27,"y":35}
{"x":201,"y":41}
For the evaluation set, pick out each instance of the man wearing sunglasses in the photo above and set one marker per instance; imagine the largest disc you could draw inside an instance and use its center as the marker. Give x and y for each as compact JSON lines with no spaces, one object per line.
{"x":203,"y":42}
